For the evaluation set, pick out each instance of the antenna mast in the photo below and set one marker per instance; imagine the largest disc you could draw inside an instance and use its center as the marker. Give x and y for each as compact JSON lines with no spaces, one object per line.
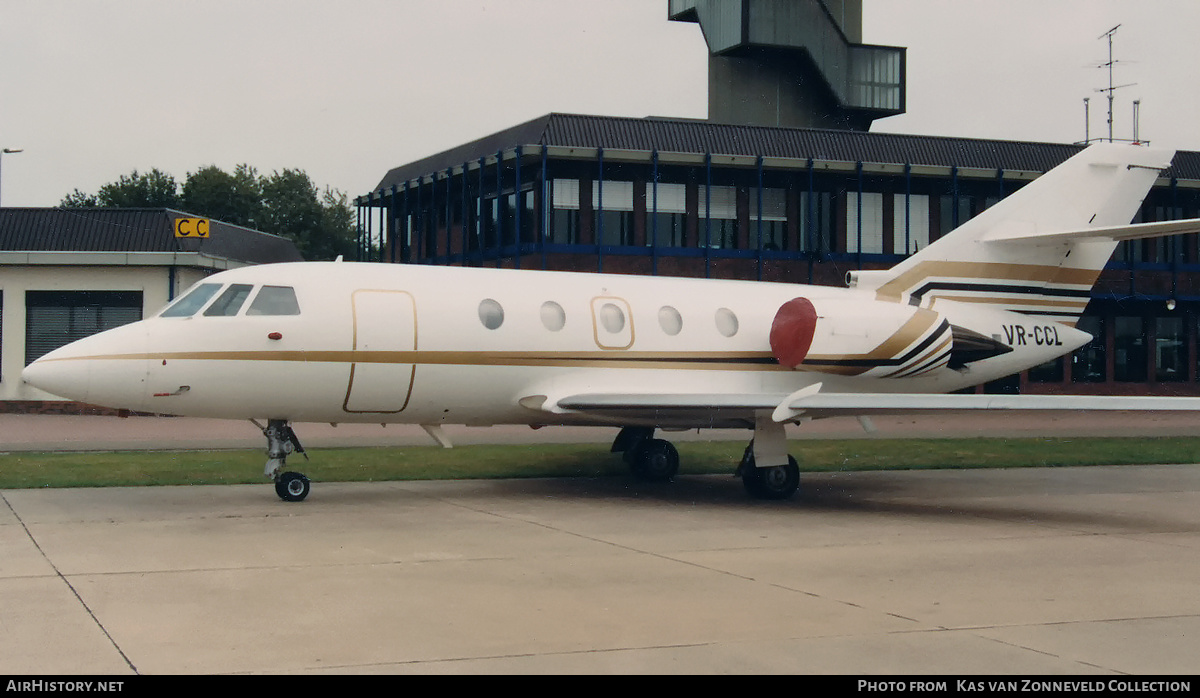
{"x":1110,"y":92}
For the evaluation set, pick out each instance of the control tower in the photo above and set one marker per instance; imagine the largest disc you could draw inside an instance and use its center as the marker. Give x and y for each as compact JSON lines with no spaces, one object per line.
{"x":794,"y":63}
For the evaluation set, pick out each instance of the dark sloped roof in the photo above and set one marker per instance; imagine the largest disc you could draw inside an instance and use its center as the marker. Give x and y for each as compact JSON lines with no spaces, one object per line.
{"x":689,"y":136}
{"x":133,"y":230}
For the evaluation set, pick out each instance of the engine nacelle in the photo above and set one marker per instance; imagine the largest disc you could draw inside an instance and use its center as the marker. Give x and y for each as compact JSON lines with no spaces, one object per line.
{"x":864,"y":337}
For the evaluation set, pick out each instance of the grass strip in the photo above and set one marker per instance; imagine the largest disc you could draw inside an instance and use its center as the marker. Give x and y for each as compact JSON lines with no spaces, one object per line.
{"x":145,"y":468}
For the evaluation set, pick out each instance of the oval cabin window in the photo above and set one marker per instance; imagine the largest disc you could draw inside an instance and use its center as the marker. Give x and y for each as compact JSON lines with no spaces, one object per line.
{"x":491,"y":314}
{"x":727,"y":322}
{"x":670,"y":320}
{"x":553,"y":316}
{"x":612,"y":318}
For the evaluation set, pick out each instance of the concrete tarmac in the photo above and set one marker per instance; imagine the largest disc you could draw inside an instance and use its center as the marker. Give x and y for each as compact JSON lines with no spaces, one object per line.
{"x":1087,"y":570}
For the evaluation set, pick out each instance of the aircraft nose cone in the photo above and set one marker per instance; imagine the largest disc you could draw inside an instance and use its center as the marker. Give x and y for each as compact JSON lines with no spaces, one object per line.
{"x":62,"y":377}
{"x":107,"y":369}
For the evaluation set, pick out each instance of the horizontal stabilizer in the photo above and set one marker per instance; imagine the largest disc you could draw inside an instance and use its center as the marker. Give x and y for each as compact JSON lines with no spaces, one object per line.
{"x":1117,"y":233}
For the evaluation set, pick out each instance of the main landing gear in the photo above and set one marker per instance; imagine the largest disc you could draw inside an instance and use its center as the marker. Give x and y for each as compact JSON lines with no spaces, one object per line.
{"x":656,"y":460}
{"x":282,"y":442}
{"x":650,"y":459}
{"x":773,"y":482}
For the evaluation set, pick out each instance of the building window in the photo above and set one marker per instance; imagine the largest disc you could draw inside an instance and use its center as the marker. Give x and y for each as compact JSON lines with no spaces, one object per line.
{"x":667,"y":205}
{"x":564,"y":217}
{"x":614,"y":212}
{"x":951,"y":215}
{"x":1170,"y":349}
{"x":910,"y":229}
{"x":1,"y":332}
{"x":773,"y":219}
{"x":870,"y":206}
{"x":1089,"y":362}
{"x":56,"y":318}
{"x":1130,"y":345}
{"x":1049,"y":372}
{"x":720,"y":229}
{"x":817,"y":220}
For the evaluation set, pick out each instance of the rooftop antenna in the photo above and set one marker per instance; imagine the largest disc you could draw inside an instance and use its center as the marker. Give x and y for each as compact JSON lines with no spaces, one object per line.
{"x":1110,"y":92}
{"x":1111,"y":89}
{"x":1137,"y":117}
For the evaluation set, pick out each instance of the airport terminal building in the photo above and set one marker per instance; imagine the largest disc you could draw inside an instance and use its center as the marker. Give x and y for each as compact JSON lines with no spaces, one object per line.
{"x":792,"y":188}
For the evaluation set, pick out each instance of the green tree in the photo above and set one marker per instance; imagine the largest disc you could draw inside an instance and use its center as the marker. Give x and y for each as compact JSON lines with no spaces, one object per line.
{"x":320,"y":224}
{"x":78,"y":199}
{"x":233,"y":198}
{"x":155,"y":189}
{"x":285,"y":203}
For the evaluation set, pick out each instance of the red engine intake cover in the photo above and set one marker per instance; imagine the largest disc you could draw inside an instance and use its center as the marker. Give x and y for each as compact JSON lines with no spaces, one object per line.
{"x":792,"y":331}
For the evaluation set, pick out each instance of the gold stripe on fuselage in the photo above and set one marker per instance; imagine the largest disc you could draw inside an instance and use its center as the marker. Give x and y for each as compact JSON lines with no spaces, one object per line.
{"x":909,"y":333}
{"x":986,"y":271}
{"x":912,"y":331}
{"x":714,"y":361}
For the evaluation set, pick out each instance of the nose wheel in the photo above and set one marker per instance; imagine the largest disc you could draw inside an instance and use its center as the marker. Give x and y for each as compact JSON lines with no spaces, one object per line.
{"x":292,"y":487}
{"x":282,"y":442}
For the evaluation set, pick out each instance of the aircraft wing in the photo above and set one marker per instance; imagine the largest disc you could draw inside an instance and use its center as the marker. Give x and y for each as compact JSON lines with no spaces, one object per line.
{"x":669,"y":408}
{"x":1028,"y":233}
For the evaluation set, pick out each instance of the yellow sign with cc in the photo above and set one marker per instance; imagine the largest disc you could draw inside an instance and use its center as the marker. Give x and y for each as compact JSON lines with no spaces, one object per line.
{"x":191,"y":227}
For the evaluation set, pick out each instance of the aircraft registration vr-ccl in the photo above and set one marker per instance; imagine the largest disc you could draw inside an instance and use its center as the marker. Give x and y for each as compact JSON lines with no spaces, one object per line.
{"x":350,"y":342}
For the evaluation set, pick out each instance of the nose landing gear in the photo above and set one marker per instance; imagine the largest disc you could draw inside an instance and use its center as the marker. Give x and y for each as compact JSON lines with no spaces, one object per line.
{"x":282,"y":442}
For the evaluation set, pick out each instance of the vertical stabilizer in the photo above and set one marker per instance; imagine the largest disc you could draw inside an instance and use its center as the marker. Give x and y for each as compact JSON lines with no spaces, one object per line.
{"x":1102,"y":186}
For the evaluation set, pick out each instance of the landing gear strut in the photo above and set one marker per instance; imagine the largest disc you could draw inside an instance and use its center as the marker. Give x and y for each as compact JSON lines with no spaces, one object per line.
{"x":281,"y":442}
{"x":767,"y":470}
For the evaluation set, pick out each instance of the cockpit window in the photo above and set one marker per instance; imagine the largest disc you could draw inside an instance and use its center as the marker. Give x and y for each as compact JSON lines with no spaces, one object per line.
{"x":193,"y":301}
{"x":230,"y":302}
{"x":275,"y":300}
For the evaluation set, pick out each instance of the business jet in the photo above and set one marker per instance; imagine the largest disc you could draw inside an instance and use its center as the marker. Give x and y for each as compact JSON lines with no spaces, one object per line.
{"x":351,"y":342}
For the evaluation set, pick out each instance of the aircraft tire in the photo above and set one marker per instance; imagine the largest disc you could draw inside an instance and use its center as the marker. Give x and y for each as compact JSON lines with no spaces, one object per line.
{"x":656,"y":460}
{"x":780,"y":482}
{"x":292,"y":487}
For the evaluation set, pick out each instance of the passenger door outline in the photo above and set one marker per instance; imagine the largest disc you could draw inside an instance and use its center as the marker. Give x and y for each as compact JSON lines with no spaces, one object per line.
{"x":385,"y":333}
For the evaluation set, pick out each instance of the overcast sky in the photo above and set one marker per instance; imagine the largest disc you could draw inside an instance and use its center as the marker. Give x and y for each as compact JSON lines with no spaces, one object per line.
{"x":347,"y":90}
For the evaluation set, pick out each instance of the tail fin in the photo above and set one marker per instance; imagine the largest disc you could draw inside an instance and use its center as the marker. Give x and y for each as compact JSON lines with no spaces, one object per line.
{"x":1009,"y":257}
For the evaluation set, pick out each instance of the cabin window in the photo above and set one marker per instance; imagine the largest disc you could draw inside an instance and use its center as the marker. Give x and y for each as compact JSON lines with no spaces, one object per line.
{"x":491,"y":314}
{"x":553,"y":316}
{"x":193,"y":301}
{"x":230,"y":302}
{"x":727,"y":322}
{"x":612,"y":318}
{"x":670,"y":320}
{"x":275,"y":300}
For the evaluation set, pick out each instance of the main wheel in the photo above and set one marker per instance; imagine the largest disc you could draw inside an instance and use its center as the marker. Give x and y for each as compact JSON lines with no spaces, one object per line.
{"x":655,"y":460}
{"x":292,"y":487}
{"x":779,"y":482}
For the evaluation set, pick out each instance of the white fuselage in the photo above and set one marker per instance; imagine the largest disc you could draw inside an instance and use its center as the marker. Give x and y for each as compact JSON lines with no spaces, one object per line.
{"x":435,"y":345}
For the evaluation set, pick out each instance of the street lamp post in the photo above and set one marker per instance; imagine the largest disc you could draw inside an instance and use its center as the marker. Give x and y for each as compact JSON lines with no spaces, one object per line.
{"x":7,"y":151}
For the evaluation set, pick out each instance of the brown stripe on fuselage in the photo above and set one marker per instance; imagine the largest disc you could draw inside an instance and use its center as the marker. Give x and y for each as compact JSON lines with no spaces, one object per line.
{"x":909,"y":333}
{"x":986,"y":271}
